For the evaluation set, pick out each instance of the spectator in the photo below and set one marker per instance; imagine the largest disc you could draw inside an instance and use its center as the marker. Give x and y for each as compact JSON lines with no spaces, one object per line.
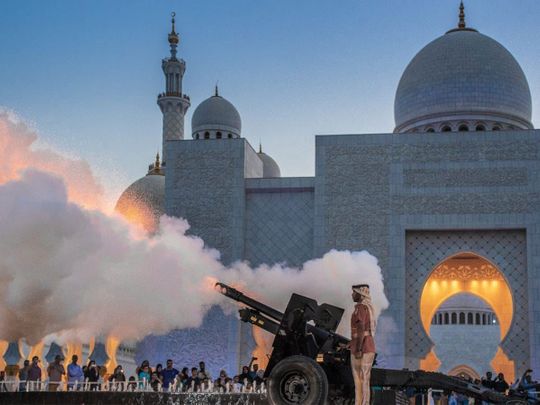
{"x":132,"y":384}
{"x":56,"y":371}
{"x":159,"y":370}
{"x":487,"y":381}
{"x":118,"y":377}
{"x":203,"y":373}
{"x":23,"y":375}
{"x":183,"y":378}
{"x":34,"y":374}
{"x":74,"y":373}
{"x":500,"y":384}
{"x":528,"y":384}
{"x":193,"y":382}
{"x":237,"y":385}
{"x":155,"y":381}
{"x":169,"y":375}
{"x":253,"y":372}
{"x":92,"y":375}
{"x":245,"y":377}
{"x":452,"y":399}
{"x":222,"y":381}
{"x":144,"y":364}
{"x":144,"y":375}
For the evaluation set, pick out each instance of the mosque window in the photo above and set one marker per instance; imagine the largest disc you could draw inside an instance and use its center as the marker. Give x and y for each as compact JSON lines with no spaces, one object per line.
{"x":447,"y":128}
{"x":207,"y":135}
{"x":463,"y":128}
{"x":477,"y":319}
{"x":454,"y":318}
{"x":470,"y":318}
{"x":196,"y":136}
{"x":430,"y":130}
{"x":480,"y":127}
{"x":229,"y":136}
{"x":446,"y":320}
{"x":496,"y":128}
{"x":461,"y":318}
{"x":218,"y":135}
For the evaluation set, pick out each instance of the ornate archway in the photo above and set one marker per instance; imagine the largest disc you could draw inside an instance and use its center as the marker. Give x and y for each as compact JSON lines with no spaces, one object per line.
{"x":468,"y":273}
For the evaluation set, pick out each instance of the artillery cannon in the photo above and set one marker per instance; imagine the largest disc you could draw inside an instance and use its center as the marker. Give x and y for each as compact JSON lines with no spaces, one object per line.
{"x":310,"y":362}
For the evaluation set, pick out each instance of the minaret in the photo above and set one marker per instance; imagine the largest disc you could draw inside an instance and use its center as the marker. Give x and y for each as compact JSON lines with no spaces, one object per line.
{"x":172,"y":102}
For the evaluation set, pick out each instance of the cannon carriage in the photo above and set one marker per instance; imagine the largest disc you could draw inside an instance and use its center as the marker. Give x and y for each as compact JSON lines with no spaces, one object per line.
{"x":310,"y":361}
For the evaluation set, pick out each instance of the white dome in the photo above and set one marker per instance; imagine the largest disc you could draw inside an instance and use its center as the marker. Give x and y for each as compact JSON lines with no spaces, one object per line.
{"x":270,"y":167}
{"x":463,"y":75}
{"x":216,"y":114}
{"x":143,"y":201}
{"x":465,"y":301}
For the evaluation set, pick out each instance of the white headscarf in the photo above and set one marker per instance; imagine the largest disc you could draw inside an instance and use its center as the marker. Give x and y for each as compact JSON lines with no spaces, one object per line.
{"x":366,"y":300}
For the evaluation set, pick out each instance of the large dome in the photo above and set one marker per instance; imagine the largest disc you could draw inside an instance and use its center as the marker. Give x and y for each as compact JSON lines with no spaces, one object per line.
{"x":463,"y":81}
{"x":143,"y":201}
{"x":213,"y":115}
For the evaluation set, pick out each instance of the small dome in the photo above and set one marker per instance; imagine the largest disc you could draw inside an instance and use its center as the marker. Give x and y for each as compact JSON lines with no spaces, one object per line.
{"x":270,"y":167}
{"x":143,"y":201}
{"x":462,"y":76}
{"x":216,"y":114}
{"x":464,"y":301}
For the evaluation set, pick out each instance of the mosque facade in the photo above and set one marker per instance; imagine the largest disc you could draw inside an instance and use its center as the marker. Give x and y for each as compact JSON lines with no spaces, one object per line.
{"x":449,"y":203}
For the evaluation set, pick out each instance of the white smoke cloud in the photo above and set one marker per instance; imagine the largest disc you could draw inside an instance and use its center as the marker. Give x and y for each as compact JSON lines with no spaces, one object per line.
{"x":78,"y":273}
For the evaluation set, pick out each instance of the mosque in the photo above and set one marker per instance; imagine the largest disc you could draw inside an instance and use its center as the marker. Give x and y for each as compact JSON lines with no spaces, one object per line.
{"x":449,"y":203}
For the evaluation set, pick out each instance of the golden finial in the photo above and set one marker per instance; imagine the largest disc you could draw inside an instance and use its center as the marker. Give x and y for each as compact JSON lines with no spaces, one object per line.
{"x":216,"y":91}
{"x":461,"y":23}
{"x":157,"y":164}
{"x":173,"y":36}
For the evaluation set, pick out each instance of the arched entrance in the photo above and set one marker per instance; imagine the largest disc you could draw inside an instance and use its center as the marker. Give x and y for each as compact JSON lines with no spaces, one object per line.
{"x":468,"y":273}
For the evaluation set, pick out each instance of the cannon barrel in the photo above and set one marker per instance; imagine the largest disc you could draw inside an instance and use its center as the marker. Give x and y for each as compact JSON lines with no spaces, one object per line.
{"x":236,"y":295}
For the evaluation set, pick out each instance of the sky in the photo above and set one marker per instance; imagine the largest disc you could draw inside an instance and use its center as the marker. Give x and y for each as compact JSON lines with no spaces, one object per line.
{"x":85,"y":74}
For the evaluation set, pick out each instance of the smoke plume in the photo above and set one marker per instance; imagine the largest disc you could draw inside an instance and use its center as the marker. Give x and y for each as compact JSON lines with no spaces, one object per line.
{"x":77,"y":272}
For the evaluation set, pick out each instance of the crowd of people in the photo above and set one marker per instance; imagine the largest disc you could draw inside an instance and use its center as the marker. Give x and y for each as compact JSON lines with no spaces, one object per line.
{"x":197,"y":379}
{"x":168,"y":378}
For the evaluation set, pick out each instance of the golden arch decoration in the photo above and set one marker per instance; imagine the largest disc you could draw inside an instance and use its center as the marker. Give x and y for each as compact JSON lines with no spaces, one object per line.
{"x":464,"y":370}
{"x":473,"y":274}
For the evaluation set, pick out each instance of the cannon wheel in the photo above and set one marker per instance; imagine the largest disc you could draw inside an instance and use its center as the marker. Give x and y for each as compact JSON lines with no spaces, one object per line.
{"x":297,"y":380}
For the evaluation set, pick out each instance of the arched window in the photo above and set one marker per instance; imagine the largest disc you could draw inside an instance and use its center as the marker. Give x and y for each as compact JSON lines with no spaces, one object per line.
{"x":483,"y":319}
{"x":454,"y":318}
{"x":196,"y":136}
{"x":440,"y":321}
{"x":218,"y":135}
{"x":496,"y":127}
{"x":446,"y":128}
{"x":470,"y":318}
{"x":462,"y":318}
{"x":229,"y":136}
{"x":463,"y":128}
{"x":430,"y":130}
{"x":477,"y":319}
{"x":480,"y":127}
{"x":446,"y":320}
{"x":207,"y":135}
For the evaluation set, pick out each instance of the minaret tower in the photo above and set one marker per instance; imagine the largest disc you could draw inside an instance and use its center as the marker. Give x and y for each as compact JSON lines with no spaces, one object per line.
{"x":172,"y":102}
